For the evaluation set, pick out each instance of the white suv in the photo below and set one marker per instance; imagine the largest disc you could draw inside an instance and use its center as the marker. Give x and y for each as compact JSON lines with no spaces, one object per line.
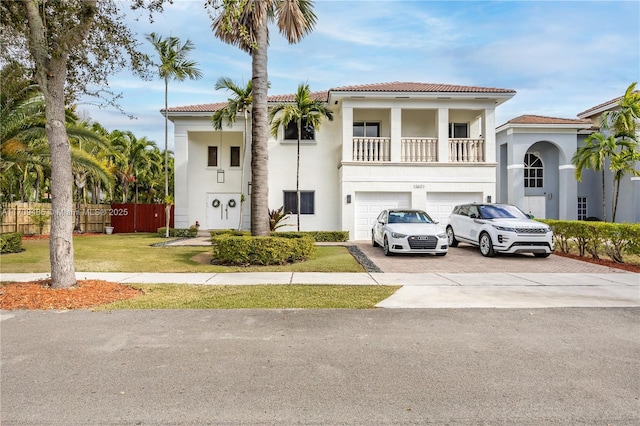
{"x":499,"y":228}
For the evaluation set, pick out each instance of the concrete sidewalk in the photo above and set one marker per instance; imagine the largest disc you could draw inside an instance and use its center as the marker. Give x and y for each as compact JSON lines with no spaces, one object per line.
{"x":422,"y":290}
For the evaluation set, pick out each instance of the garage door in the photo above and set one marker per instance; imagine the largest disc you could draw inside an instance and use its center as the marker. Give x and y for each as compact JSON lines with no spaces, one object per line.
{"x":440,"y":204}
{"x":370,"y":204}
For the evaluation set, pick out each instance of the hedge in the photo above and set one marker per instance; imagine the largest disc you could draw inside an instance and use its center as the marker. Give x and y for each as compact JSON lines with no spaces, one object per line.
{"x":11,"y":242}
{"x":272,"y":250}
{"x":173,"y":232}
{"x":318,"y":236}
{"x":614,"y":240}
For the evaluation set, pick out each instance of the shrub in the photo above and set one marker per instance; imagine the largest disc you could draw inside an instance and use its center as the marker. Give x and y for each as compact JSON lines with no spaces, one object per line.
{"x":613,"y":239}
{"x":277,"y":218}
{"x":249,"y":250}
{"x":173,"y":232}
{"x":11,"y":242}
{"x":40,"y":218}
{"x":318,"y":236}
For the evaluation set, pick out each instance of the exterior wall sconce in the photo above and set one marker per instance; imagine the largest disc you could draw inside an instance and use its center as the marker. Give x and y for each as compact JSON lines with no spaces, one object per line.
{"x":220,"y":176}
{"x":249,"y":188}
{"x":349,"y":199}
{"x":488,"y":198}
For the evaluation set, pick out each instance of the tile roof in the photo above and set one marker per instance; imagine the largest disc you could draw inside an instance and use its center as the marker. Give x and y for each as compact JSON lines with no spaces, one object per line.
{"x":540,"y":119}
{"x":398,"y":86}
{"x":595,"y":109}
{"x":380,"y":87}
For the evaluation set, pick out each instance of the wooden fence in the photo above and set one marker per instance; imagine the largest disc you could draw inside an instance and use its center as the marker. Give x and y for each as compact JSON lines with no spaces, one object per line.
{"x":21,"y":217}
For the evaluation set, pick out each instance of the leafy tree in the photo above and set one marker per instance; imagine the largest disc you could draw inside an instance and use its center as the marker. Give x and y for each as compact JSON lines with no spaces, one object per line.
{"x":239,"y":103}
{"x":173,"y":65}
{"x":243,"y":23}
{"x":73,"y":45}
{"x":306,"y":112}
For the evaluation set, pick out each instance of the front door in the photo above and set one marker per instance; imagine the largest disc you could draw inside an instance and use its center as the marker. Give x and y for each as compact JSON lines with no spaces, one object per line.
{"x":223,"y":211}
{"x":536,"y":205}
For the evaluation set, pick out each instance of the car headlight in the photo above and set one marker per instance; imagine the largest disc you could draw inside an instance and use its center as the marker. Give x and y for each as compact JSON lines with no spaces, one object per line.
{"x":442,"y":236}
{"x":504,"y":228}
{"x":398,"y":235}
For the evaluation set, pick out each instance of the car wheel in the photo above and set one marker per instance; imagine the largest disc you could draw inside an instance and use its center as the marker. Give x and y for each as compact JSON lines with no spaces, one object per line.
{"x":486,"y":246}
{"x":542,"y":254}
{"x":451,"y":237}
{"x":373,"y":240}
{"x":387,"y":252}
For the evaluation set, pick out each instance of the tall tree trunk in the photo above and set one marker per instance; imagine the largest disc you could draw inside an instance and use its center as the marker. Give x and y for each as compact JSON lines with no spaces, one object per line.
{"x":298,"y":172}
{"x":61,"y":239}
{"x":615,"y":199}
{"x":166,"y":157}
{"x":259,"y":134}
{"x":604,"y":203}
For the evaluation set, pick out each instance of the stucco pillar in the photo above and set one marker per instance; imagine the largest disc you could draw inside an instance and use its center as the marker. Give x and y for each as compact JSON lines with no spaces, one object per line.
{"x":635,"y":184}
{"x":568,"y":195}
{"x":396,"y":134}
{"x":515,"y":184}
{"x":489,"y":134}
{"x":347,"y":133}
{"x":181,"y":181}
{"x":443,"y":135}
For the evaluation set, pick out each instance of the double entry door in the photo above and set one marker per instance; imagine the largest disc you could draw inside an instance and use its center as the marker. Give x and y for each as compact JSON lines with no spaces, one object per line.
{"x":223,"y":211}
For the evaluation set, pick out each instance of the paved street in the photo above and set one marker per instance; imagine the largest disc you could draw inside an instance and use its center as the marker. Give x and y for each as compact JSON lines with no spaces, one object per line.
{"x":435,"y":366}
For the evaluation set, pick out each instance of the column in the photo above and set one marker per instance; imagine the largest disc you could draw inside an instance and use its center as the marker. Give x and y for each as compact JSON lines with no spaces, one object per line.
{"x":396,"y":134}
{"x":568,"y":196}
{"x":443,"y":135}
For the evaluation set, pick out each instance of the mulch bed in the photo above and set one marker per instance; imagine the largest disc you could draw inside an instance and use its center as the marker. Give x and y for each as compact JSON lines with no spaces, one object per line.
{"x":604,"y":262}
{"x":85,"y":294}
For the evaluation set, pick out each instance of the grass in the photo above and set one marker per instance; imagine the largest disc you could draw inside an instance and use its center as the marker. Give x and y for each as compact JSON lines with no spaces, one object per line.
{"x":178,"y":296}
{"x":133,"y":253}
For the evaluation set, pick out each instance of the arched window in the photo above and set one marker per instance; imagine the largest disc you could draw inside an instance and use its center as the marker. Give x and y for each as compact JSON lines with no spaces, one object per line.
{"x":533,"y":171}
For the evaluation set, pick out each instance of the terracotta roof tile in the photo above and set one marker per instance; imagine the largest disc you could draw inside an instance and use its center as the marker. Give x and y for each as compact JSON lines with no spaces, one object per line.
{"x":612,"y":102}
{"x":540,"y":119}
{"x":380,"y":87}
{"x":398,"y":86}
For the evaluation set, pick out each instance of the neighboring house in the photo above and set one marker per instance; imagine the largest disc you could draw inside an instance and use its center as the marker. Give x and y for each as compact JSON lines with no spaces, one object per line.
{"x":535,"y":170}
{"x":418,"y":145}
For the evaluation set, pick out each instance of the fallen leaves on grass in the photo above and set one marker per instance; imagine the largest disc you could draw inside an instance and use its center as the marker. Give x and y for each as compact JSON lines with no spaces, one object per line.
{"x":40,"y":296}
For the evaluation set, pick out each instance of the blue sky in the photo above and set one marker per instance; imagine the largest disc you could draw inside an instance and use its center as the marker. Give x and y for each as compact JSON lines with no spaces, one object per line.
{"x":561,"y":57}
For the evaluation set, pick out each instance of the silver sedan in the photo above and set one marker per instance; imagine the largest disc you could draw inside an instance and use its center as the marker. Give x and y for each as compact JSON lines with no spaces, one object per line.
{"x":408,"y":231}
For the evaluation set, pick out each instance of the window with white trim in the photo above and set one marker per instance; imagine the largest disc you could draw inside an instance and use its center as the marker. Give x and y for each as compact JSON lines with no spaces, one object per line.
{"x":582,"y":208}
{"x":458,"y":130}
{"x":533,"y":171}
{"x":307,"y":202}
{"x":363,"y":129}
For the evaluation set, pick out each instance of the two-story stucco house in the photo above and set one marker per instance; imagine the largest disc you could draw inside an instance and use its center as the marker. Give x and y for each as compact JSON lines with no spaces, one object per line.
{"x":418,"y":145}
{"x":535,"y":170}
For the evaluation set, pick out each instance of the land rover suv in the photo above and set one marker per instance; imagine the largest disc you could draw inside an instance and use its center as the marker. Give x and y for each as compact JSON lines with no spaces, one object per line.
{"x":498,"y":228}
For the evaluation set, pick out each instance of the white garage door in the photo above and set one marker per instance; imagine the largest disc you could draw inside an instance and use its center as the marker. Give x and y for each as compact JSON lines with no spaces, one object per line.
{"x":440,"y":204}
{"x":370,"y":204}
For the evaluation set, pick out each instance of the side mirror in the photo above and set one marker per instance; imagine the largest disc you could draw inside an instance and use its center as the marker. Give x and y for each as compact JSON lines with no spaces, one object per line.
{"x":473,"y":216}
{"x":530,"y":216}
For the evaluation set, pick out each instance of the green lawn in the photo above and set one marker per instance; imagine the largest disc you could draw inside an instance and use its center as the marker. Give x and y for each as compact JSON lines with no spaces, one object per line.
{"x":133,"y":253}
{"x":179,"y":296}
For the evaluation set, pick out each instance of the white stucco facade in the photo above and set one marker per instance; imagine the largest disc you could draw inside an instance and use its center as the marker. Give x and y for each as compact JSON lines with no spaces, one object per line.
{"x":424,"y":147}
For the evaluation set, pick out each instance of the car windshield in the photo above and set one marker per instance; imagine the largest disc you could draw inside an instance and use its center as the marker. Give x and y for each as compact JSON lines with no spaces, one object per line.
{"x":501,"y":211}
{"x":409,"y":217}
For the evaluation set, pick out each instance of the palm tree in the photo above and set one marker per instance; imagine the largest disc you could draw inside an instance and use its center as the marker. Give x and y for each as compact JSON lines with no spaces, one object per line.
{"x":305,"y":112}
{"x":244,"y":24}
{"x":619,"y":145}
{"x":173,"y":65}
{"x":239,"y":103}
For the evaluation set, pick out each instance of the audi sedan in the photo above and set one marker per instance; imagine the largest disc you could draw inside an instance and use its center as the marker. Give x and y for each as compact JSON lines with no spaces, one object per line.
{"x":408,"y":231}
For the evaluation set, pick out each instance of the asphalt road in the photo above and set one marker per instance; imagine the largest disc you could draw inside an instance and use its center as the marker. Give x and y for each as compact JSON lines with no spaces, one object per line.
{"x":433,"y":366}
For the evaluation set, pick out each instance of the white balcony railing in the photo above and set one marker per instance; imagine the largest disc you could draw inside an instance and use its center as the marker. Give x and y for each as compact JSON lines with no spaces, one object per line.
{"x":419,"y":150}
{"x":371,"y":149}
{"x":466,"y":150}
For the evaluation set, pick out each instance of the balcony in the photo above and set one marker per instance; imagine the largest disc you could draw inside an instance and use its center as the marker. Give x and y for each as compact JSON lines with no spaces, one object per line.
{"x":418,"y":150}
{"x":371,"y":149}
{"x":466,"y":150}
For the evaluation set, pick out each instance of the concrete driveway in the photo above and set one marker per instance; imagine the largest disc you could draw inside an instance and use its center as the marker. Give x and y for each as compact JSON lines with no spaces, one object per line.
{"x":467,"y":259}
